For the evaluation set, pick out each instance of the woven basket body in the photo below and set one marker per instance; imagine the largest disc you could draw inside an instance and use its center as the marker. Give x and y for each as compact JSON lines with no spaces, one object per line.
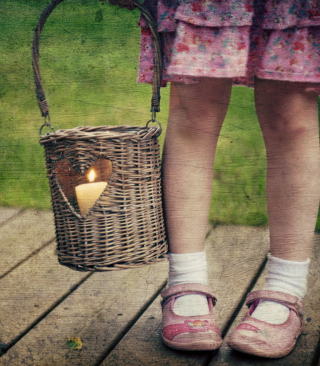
{"x":121,"y":225}
{"x":125,"y":226}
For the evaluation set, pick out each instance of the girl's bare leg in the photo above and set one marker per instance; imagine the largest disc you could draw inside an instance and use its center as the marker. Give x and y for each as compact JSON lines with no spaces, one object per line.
{"x":288,"y":117}
{"x":196,"y":115}
{"x":197,"y":112}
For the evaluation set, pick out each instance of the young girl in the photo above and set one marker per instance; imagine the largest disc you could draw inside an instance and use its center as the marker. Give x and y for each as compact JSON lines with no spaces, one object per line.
{"x":209,"y":45}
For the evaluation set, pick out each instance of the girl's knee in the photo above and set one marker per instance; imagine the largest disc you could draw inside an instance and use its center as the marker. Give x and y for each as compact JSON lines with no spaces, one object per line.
{"x":286,"y":110}
{"x":199,"y":108}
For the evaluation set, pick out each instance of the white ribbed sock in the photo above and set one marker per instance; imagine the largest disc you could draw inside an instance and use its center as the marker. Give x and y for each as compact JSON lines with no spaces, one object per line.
{"x":189,"y":268}
{"x":285,"y":276}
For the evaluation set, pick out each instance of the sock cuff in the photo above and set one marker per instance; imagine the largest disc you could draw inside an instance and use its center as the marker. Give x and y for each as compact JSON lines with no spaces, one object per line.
{"x":287,"y":276}
{"x":286,"y":267}
{"x":186,"y":262}
{"x":179,"y":258}
{"x":187,"y":268}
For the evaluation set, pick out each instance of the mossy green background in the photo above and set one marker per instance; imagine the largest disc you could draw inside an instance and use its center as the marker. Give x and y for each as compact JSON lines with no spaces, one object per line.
{"x":89,"y":58}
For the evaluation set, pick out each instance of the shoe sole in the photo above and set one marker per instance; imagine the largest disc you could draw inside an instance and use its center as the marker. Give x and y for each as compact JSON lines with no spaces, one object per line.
{"x":255,"y":351}
{"x":202,"y":343}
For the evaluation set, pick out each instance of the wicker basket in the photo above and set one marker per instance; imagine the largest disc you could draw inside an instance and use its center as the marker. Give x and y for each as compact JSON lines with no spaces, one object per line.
{"x":124,"y":228}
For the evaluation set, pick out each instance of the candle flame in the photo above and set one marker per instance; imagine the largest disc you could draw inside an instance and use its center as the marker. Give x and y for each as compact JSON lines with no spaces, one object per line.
{"x":91,"y":175}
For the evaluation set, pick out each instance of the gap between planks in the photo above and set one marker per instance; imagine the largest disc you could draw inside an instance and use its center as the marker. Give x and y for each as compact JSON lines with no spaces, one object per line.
{"x":24,"y":234}
{"x":6,"y":348}
{"x":118,"y":339}
{"x":8,"y":213}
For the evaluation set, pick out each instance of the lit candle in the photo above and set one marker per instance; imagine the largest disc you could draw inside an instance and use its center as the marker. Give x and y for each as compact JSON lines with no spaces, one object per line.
{"x":88,"y":193}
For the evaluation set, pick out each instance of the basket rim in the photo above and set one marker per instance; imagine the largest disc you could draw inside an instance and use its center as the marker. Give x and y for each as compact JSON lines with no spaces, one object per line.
{"x":102,"y":133}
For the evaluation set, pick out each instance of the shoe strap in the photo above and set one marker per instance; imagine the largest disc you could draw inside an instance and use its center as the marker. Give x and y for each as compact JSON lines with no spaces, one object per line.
{"x":188,"y":289}
{"x":292,"y":302}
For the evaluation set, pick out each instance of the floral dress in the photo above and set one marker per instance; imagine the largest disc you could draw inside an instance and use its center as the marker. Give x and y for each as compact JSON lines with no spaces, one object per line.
{"x":239,"y":39}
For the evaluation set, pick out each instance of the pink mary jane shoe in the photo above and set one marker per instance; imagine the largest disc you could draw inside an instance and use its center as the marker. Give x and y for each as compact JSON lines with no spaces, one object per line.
{"x":190,"y":333}
{"x":262,"y":339}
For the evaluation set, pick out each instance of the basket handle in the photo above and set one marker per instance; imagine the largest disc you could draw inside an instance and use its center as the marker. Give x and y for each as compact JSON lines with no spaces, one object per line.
{"x":156,"y":83}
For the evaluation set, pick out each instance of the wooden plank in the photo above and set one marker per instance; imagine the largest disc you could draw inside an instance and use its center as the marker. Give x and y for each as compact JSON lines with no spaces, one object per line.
{"x":31,"y":290}
{"x":234,"y":256}
{"x":22,"y":235}
{"x":303,"y":354}
{"x":98,"y":312}
{"x":6,"y":213}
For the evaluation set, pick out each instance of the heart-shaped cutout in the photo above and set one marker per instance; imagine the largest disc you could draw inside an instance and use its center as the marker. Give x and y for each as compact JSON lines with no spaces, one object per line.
{"x":83,"y":189}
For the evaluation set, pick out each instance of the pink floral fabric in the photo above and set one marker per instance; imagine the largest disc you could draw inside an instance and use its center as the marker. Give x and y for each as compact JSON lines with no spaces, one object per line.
{"x":239,"y":39}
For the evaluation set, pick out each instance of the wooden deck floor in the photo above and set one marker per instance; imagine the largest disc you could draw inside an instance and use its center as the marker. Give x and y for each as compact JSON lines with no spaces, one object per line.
{"x":117,"y":314}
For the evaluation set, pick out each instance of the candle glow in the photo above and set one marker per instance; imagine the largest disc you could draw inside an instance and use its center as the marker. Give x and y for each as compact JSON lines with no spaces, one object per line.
{"x":91,"y":175}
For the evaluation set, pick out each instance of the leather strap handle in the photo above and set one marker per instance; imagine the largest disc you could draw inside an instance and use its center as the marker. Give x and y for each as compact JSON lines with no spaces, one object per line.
{"x":40,"y":94}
